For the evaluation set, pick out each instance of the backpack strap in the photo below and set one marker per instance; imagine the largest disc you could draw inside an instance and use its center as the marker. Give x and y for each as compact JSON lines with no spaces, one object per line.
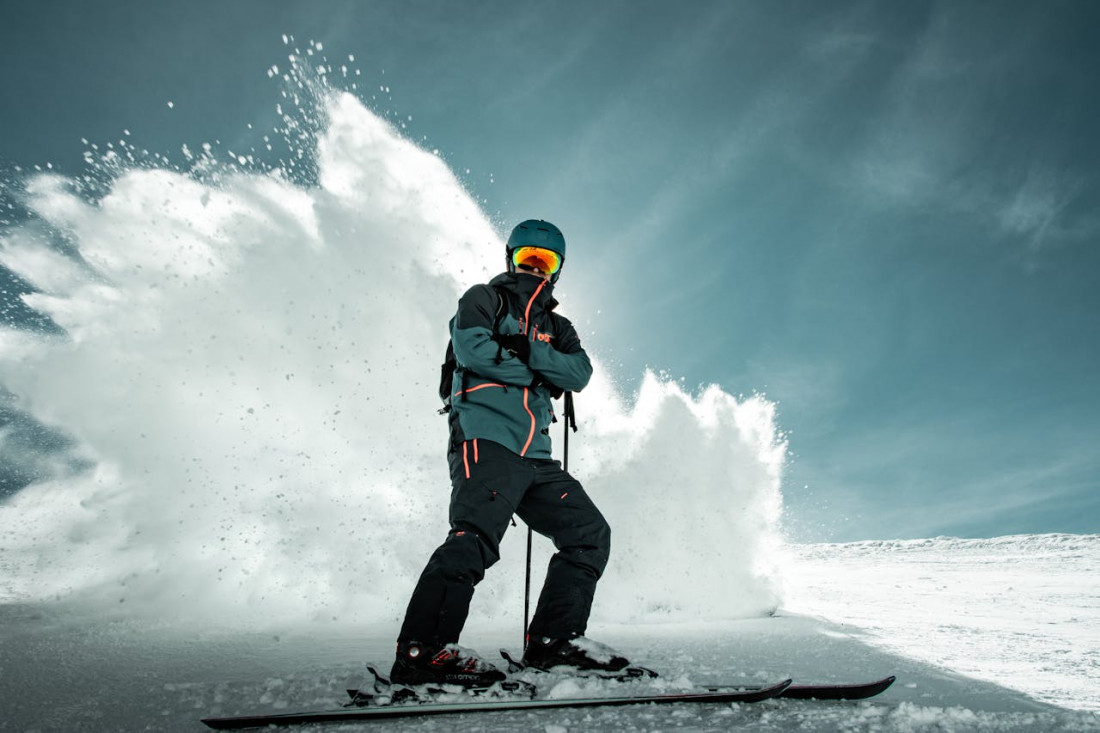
{"x":502,"y":310}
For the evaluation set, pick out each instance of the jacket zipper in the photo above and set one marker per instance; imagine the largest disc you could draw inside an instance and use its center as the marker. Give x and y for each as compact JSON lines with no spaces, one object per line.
{"x":527,"y":311}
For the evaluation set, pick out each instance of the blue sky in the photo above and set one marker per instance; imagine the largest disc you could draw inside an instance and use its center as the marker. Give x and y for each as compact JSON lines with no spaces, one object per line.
{"x":882,"y":215}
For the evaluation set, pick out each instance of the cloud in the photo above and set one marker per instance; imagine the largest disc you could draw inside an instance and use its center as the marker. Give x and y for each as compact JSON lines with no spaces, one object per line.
{"x":1037,"y":211}
{"x":923,"y":474}
{"x":651,"y":138}
{"x":961,"y":129}
{"x":999,"y":500}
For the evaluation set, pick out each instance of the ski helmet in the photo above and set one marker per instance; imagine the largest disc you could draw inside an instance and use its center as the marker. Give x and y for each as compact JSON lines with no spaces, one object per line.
{"x":536,"y":233}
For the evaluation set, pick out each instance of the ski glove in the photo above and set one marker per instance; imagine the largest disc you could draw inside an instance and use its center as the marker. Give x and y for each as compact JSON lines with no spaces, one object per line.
{"x":540,"y":381}
{"x":515,"y":344}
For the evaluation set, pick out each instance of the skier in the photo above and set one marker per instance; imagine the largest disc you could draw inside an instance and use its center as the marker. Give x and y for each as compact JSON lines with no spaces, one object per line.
{"x":512,"y":354}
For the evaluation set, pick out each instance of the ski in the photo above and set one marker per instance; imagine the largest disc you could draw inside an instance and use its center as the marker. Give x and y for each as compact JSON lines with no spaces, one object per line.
{"x":387,"y":712}
{"x":856,"y":691}
{"x":844,"y":691}
{"x":623,"y":675}
{"x":848,"y":691}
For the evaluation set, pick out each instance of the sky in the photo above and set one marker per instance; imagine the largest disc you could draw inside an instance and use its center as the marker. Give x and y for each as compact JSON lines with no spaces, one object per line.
{"x":882,"y":216}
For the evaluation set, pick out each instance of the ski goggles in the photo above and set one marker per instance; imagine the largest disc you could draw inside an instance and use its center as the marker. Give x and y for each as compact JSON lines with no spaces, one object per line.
{"x":546,"y":260}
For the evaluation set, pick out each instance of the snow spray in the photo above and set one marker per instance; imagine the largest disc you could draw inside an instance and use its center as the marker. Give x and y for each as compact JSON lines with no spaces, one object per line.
{"x":248,"y":391}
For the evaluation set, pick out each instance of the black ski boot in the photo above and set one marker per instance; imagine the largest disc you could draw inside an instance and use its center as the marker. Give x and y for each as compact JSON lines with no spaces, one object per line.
{"x":418,"y":664}
{"x":580,"y":653}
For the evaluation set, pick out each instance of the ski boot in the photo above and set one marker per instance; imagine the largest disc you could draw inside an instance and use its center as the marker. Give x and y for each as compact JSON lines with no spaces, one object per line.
{"x":578,"y":652}
{"x":418,"y":664}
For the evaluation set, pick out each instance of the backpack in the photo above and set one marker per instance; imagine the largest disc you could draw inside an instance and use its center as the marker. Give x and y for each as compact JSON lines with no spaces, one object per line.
{"x":450,"y":364}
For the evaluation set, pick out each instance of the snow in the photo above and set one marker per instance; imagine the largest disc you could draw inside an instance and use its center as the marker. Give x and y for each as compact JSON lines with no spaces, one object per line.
{"x":62,"y":669}
{"x":252,"y":393}
{"x":594,"y":649}
{"x":1023,"y":611}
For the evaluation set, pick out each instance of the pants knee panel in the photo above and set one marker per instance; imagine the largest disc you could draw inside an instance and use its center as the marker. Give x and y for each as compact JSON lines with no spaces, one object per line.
{"x":462,"y":557}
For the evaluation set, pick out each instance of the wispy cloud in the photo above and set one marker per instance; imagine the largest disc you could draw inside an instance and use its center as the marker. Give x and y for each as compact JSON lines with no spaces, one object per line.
{"x":1036,"y":212}
{"x":919,"y":477}
{"x":694,"y":118}
{"x":1001,"y":499}
{"x":957,"y":134}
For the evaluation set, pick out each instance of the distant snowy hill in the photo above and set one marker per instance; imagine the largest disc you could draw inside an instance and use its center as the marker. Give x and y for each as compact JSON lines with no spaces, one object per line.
{"x":1022,"y":611}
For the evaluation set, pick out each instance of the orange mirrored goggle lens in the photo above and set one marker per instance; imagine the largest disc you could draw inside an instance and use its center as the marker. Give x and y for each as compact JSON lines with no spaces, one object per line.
{"x":546,"y":260}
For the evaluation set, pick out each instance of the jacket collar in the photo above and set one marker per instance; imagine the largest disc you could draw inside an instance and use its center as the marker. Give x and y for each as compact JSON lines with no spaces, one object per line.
{"x":524,"y":286}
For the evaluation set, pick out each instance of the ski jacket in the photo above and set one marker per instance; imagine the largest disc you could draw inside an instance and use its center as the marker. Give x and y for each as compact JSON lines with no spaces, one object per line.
{"x":494,"y":395}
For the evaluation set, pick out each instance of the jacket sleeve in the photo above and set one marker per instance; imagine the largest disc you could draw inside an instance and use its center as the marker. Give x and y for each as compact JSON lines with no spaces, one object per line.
{"x":564,"y":364}
{"x":472,"y":339}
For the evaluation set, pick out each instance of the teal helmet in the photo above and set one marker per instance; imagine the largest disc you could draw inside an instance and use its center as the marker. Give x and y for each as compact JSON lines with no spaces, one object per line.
{"x":536,"y":233}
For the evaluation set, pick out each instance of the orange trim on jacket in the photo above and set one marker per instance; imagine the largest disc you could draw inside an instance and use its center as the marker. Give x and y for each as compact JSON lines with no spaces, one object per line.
{"x":530,"y":435}
{"x":527,"y":310}
{"x":480,"y":386}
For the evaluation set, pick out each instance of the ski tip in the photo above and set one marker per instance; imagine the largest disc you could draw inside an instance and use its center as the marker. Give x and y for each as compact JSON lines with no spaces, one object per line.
{"x":635,"y":672}
{"x":774,"y":690}
{"x":766,"y":693}
{"x":860,"y":691}
{"x":875,"y":688}
{"x":880,"y":685}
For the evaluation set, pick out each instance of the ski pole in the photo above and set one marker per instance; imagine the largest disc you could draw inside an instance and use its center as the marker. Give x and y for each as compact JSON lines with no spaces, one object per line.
{"x":527,"y":591}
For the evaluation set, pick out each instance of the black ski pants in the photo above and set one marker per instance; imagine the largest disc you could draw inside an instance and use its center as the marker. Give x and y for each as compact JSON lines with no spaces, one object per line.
{"x":489,"y":484}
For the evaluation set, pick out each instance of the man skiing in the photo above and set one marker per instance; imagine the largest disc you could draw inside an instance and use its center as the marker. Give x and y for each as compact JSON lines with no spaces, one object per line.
{"x":512,"y":354}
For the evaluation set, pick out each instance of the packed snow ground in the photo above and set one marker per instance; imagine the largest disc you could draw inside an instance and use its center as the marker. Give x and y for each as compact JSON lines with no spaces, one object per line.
{"x":58,"y":676}
{"x":61,"y":671}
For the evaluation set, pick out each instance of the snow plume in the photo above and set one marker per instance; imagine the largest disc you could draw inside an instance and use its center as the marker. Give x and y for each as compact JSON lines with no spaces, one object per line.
{"x":691,"y":490}
{"x":246,"y":376}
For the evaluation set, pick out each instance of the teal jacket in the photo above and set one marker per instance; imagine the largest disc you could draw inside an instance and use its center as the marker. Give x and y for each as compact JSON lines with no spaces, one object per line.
{"x":495,"y":396}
